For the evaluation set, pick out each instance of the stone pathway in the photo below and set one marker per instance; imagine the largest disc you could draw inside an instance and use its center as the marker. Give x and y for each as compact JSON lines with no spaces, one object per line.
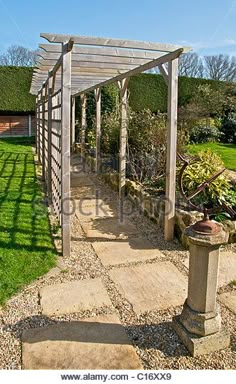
{"x":229,"y":299}
{"x":96,"y":343}
{"x":227,"y":267}
{"x":133,"y":270}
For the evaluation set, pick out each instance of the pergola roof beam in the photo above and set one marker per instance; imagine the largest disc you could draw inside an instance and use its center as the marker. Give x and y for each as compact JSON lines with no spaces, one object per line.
{"x":96,"y":58}
{"x":101,"y":51}
{"x":100,"y":60}
{"x":82,"y":71}
{"x":91,"y":64}
{"x":108,"y":42}
{"x":151,"y":64}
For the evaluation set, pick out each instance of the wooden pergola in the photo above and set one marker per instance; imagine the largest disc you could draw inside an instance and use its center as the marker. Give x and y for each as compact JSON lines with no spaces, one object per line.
{"x":72,"y":66}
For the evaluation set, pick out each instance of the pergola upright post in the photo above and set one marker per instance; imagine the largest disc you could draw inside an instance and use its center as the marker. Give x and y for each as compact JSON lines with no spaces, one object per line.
{"x":36,"y":123}
{"x":73,"y":124}
{"x":98,"y":129}
{"x":49,"y":175}
{"x":83,"y":123}
{"x":43,"y":133}
{"x":171,"y":149}
{"x":65,"y":148}
{"x":123,"y":89}
{"x":40,"y":122}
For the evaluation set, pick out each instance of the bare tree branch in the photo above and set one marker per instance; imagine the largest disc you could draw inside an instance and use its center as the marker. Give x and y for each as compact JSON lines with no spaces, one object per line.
{"x":18,"y":56}
{"x":191,"y":65}
{"x":221,"y":67}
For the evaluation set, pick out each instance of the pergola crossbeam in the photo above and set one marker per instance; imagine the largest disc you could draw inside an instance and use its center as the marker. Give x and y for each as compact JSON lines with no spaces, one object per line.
{"x":108,"y":42}
{"x":151,"y":64}
{"x":51,"y":57}
{"x":101,"y":51}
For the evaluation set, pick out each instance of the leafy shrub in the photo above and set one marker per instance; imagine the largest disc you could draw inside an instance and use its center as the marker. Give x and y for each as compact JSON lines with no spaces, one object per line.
{"x":204,"y":134}
{"x":228,"y":128}
{"x":110,"y":127}
{"x":108,"y":104}
{"x":147,"y":146}
{"x":231,"y":197}
{"x":201,"y":170}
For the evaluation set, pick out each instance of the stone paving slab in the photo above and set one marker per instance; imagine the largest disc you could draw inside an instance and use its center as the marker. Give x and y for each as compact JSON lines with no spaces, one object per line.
{"x":77,"y":173}
{"x":98,"y":201}
{"x":96,"y":343}
{"x":121,"y":252}
{"x":81,"y":181}
{"x":82,"y":192}
{"x":229,"y":299}
{"x":109,"y":228}
{"x":73,"y":296}
{"x":227,"y":267}
{"x":86,"y":213}
{"x":148,"y":287}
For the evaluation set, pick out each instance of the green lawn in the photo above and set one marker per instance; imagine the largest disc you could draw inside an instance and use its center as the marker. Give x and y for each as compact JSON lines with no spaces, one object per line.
{"x":227,"y":152}
{"x":26,"y":247}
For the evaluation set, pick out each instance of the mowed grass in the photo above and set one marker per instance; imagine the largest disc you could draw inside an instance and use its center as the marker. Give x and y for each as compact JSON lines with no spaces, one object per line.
{"x":227,"y":152}
{"x":26,"y":247}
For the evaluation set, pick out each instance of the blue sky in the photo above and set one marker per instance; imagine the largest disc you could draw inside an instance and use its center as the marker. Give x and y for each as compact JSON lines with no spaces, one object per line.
{"x":209,"y":26}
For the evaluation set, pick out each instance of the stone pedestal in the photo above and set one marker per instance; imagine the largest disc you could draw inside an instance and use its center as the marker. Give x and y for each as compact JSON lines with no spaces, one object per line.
{"x":199,"y":325}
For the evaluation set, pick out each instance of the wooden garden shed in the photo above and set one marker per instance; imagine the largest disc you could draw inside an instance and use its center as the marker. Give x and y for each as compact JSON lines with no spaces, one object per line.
{"x":17,"y":106}
{"x":71,"y":66}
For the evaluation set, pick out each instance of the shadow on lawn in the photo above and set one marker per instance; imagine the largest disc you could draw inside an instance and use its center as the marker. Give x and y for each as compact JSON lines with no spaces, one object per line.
{"x":228,"y":145}
{"x":24,"y":221}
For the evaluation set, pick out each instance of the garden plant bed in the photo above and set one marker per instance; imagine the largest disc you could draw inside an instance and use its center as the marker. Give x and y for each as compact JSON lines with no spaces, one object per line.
{"x":153,"y":207}
{"x":26,"y":247}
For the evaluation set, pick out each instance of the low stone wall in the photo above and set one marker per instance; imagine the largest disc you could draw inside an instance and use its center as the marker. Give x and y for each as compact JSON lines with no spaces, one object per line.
{"x":154,"y":207}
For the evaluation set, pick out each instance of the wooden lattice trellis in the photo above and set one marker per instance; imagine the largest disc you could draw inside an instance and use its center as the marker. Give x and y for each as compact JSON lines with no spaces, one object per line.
{"x":74,"y":65}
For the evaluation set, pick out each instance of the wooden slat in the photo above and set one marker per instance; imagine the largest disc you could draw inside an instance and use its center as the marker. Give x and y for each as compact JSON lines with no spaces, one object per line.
{"x":98,"y":129}
{"x":65,"y":152}
{"x":102,"y":51}
{"x":83,"y":122}
{"x":50,"y":145}
{"x":171,"y":149}
{"x":43,"y":135}
{"x":164,"y":73}
{"x":52,"y":57}
{"x":72,"y":123}
{"x":110,"y":42}
{"x":75,"y":70}
{"x":37,"y":123}
{"x":91,"y":64}
{"x":154,"y":63}
{"x":123,"y":142}
{"x":43,"y":76}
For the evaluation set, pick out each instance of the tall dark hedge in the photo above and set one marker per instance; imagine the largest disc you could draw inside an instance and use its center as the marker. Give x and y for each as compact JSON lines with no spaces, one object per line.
{"x":14,"y":90}
{"x":108,"y":102}
{"x":149,"y":91}
{"x":146,"y":91}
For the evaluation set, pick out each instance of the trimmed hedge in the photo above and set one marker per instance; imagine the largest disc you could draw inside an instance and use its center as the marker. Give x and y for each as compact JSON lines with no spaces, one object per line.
{"x":14,"y":90}
{"x":109,"y":97}
{"x":146,"y":91}
{"x":149,"y":91}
